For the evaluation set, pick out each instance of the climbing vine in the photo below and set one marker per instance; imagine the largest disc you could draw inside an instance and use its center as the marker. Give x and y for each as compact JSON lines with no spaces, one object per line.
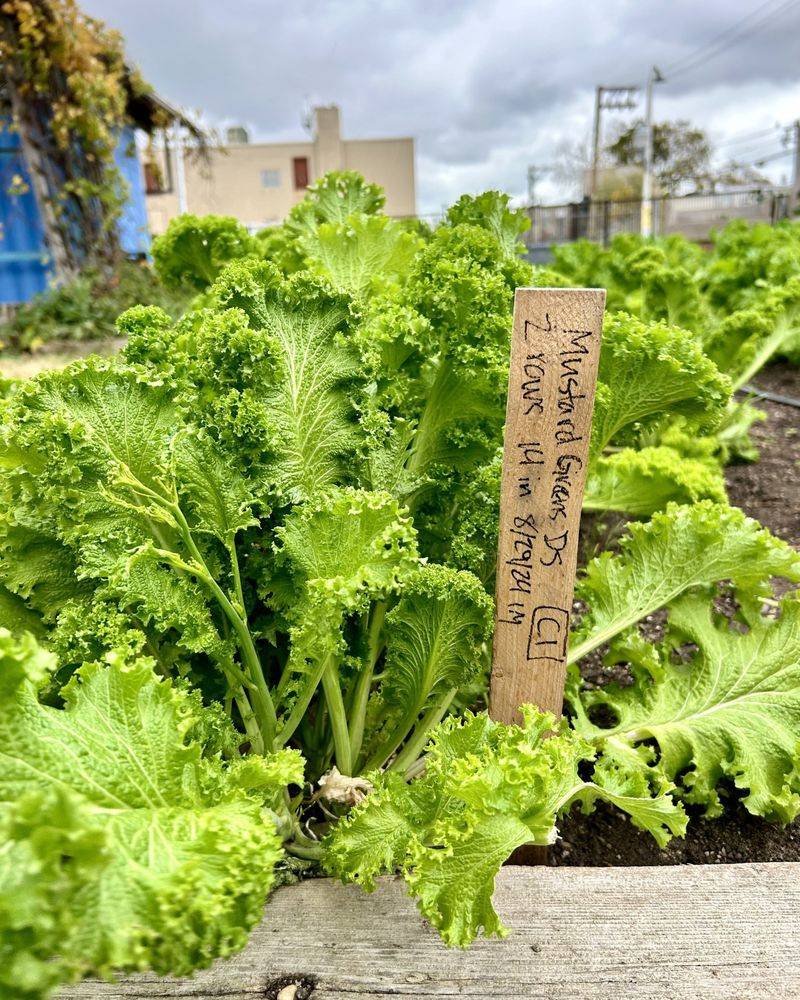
{"x":69,"y":87}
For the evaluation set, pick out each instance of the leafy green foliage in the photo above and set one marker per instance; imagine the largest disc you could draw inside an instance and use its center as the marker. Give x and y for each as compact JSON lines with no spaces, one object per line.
{"x":642,"y":481}
{"x":433,"y":635}
{"x":16,"y":616}
{"x":434,"y":638}
{"x":490,"y":211}
{"x":296,"y":402}
{"x":743,"y":342}
{"x":194,"y":250}
{"x":336,"y":554}
{"x":487,"y":789}
{"x":121,"y":758}
{"x":731,"y":712}
{"x":653,"y":280}
{"x":334,"y":198}
{"x":49,"y":854}
{"x":361,"y":254}
{"x":739,"y":301}
{"x":347,"y":542}
{"x":652,"y":378}
{"x":749,"y":261}
{"x":649,"y":372}
{"x":267,"y":530}
{"x":678,"y":549}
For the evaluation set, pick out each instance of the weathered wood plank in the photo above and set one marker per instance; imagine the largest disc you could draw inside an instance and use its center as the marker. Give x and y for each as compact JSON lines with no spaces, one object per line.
{"x":670,"y":933}
{"x":555,"y":350}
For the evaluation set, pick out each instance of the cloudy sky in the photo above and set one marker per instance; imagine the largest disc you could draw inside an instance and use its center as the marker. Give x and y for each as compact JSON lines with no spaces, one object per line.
{"x":486,"y":86}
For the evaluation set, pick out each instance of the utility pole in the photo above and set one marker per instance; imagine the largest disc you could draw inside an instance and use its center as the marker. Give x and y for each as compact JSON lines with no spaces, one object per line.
{"x":532,"y":178}
{"x":598,"y":98}
{"x":607,"y":99}
{"x":794,"y":204}
{"x":535,"y":174}
{"x":647,"y":180}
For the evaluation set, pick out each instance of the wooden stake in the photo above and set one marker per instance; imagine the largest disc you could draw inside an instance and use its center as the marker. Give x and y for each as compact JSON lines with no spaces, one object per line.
{"x":555,"y":350}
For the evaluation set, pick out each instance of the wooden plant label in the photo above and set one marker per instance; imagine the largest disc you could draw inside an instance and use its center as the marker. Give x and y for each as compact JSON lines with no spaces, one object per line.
{"x":555,"y":350}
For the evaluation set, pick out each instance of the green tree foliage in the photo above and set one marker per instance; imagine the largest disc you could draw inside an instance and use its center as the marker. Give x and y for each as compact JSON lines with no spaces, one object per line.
{"x":681,"y":154}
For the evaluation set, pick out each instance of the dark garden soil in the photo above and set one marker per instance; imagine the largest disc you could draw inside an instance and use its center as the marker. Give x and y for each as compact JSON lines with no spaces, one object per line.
{"x":768,"y":490}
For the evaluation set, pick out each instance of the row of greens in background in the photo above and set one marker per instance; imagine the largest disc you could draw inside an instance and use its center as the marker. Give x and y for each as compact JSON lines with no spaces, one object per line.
{"x":741,"y":300}
{"x":247,"y":575}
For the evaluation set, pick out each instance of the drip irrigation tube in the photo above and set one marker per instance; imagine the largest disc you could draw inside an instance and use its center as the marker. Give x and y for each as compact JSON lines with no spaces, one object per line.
{"x":773,"y":397}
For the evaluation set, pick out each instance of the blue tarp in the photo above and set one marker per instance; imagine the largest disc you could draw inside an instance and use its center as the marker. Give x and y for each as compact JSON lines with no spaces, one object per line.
{"x":25,"y":267}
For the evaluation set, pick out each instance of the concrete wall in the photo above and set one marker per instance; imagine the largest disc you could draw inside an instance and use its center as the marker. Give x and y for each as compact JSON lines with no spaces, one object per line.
{"x":390,"y":163}
{"x":255,"y":182}
{"x":695,"y":216}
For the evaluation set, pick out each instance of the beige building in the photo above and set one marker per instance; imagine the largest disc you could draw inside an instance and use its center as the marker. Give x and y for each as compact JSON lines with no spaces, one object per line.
{"x":259,"y":182}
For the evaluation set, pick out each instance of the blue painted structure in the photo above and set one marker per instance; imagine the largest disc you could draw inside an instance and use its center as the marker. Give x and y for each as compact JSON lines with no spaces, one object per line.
{"x":134,"y":236}
{"x":24,"y":261}
{"x":25,"y":266}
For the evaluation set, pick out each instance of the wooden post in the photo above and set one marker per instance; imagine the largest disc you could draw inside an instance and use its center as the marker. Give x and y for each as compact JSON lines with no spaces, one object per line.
{"x":555,"y":350}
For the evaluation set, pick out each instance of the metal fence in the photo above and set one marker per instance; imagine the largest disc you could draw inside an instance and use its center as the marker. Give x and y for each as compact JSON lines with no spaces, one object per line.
{"x":693,"y":216}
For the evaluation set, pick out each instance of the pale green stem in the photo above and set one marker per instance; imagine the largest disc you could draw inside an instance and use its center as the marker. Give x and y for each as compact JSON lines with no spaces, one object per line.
{"x":301,"y":705}
{"x":634,"y":615}
{"x":283,"y":680}
{"x":249,"y":721}
{"x":301,"y":851}
{"x":265,"y":709}
{"x":364,"y":682}
{"x":266,"y":715}
{"x":298,"y":837}
{"x":770,"y":345}
{"x":394,"y":739}
{"x":338,"y":717}
{"x":237,"y":576}
{"x":421,"y":733}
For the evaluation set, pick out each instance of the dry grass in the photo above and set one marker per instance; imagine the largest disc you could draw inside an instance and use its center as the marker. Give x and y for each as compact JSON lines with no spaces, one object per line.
{"x":53,"y":356}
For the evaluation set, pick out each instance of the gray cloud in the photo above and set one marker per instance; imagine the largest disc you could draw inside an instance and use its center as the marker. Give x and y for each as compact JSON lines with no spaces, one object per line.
{"x":486,"y":86}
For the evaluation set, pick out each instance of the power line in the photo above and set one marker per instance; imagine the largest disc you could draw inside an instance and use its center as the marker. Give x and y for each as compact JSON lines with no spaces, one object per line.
{"x":725,"y":37}
{"x":760,"y":154}
{"x":746,"y":137}
{"x":766,"y":157}
{"x":732,"y":36}
{"x":762,"y":15}
{"x":732,"y":29}
{"x":753,"y":152}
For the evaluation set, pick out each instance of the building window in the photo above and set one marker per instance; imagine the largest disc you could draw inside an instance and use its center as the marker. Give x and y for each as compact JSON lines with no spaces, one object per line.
{"x":270,"y":178}
{"x":154,"y":178}
{"x":300,"y":165}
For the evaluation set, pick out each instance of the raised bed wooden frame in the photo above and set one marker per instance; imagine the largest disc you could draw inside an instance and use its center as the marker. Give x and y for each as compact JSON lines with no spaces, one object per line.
{"x":666,"y":933}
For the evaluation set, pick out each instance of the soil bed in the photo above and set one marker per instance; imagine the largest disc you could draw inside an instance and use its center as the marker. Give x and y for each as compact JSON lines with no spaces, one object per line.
{"x":768,"y":490}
